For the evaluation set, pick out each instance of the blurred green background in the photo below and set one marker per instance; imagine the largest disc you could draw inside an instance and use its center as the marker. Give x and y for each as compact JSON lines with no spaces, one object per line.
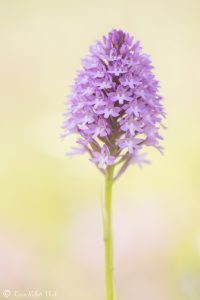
{"x":50,"y":204}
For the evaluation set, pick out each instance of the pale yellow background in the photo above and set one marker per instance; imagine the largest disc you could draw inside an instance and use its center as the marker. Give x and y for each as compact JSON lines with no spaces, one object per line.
{"x":50,"y":219}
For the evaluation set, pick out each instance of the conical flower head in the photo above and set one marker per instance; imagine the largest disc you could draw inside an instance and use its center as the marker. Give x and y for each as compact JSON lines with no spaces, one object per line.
{"x":114,"y":106}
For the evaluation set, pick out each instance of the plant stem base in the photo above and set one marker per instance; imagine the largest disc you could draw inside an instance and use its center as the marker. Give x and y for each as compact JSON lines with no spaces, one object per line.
{"x":107,"y":224}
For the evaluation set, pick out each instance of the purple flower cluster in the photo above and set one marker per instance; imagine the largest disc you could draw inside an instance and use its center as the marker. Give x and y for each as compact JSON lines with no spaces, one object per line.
{"x":114,"y":104}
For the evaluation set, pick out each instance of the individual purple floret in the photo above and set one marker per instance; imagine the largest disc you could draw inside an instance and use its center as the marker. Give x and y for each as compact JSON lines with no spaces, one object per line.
{"x":103,"y":158}
{"x":114,"y":104}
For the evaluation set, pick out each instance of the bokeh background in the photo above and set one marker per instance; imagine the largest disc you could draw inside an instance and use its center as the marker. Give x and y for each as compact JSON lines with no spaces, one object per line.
{"x":50,"y":204}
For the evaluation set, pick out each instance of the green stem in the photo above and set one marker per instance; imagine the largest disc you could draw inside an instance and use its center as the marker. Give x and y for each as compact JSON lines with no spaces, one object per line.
{"x":107,"y":224}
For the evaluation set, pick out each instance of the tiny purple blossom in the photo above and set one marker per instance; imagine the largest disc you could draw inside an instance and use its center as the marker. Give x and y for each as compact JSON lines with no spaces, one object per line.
{"x":153,"y":137}
{"x":109,"y":110}
{"x":104,"y":83}
{"x":140,"y":159}
{"x":131,"y":126}
{"x":103,"y":158}
{"x":117,"y":69}
{"x":150,"y":118}
{"x":98,"y":72}
{"x":81,"y":149}
{"x":121,"y":95}
{"x":115,"y":102}
{"x":131,"y":144}
{"x":90,"y":62}
{"x":101,"y":129}
{"x":134,"y":108}
{"x":87,"y":91}
{"x":113,"y":55}
{"x":82,"y":78}
{"x":98,"y":101}
{"x":128,"y":80}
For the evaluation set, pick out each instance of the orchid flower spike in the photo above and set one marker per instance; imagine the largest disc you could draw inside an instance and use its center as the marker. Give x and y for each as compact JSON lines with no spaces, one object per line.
{"x":114,"y":106}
